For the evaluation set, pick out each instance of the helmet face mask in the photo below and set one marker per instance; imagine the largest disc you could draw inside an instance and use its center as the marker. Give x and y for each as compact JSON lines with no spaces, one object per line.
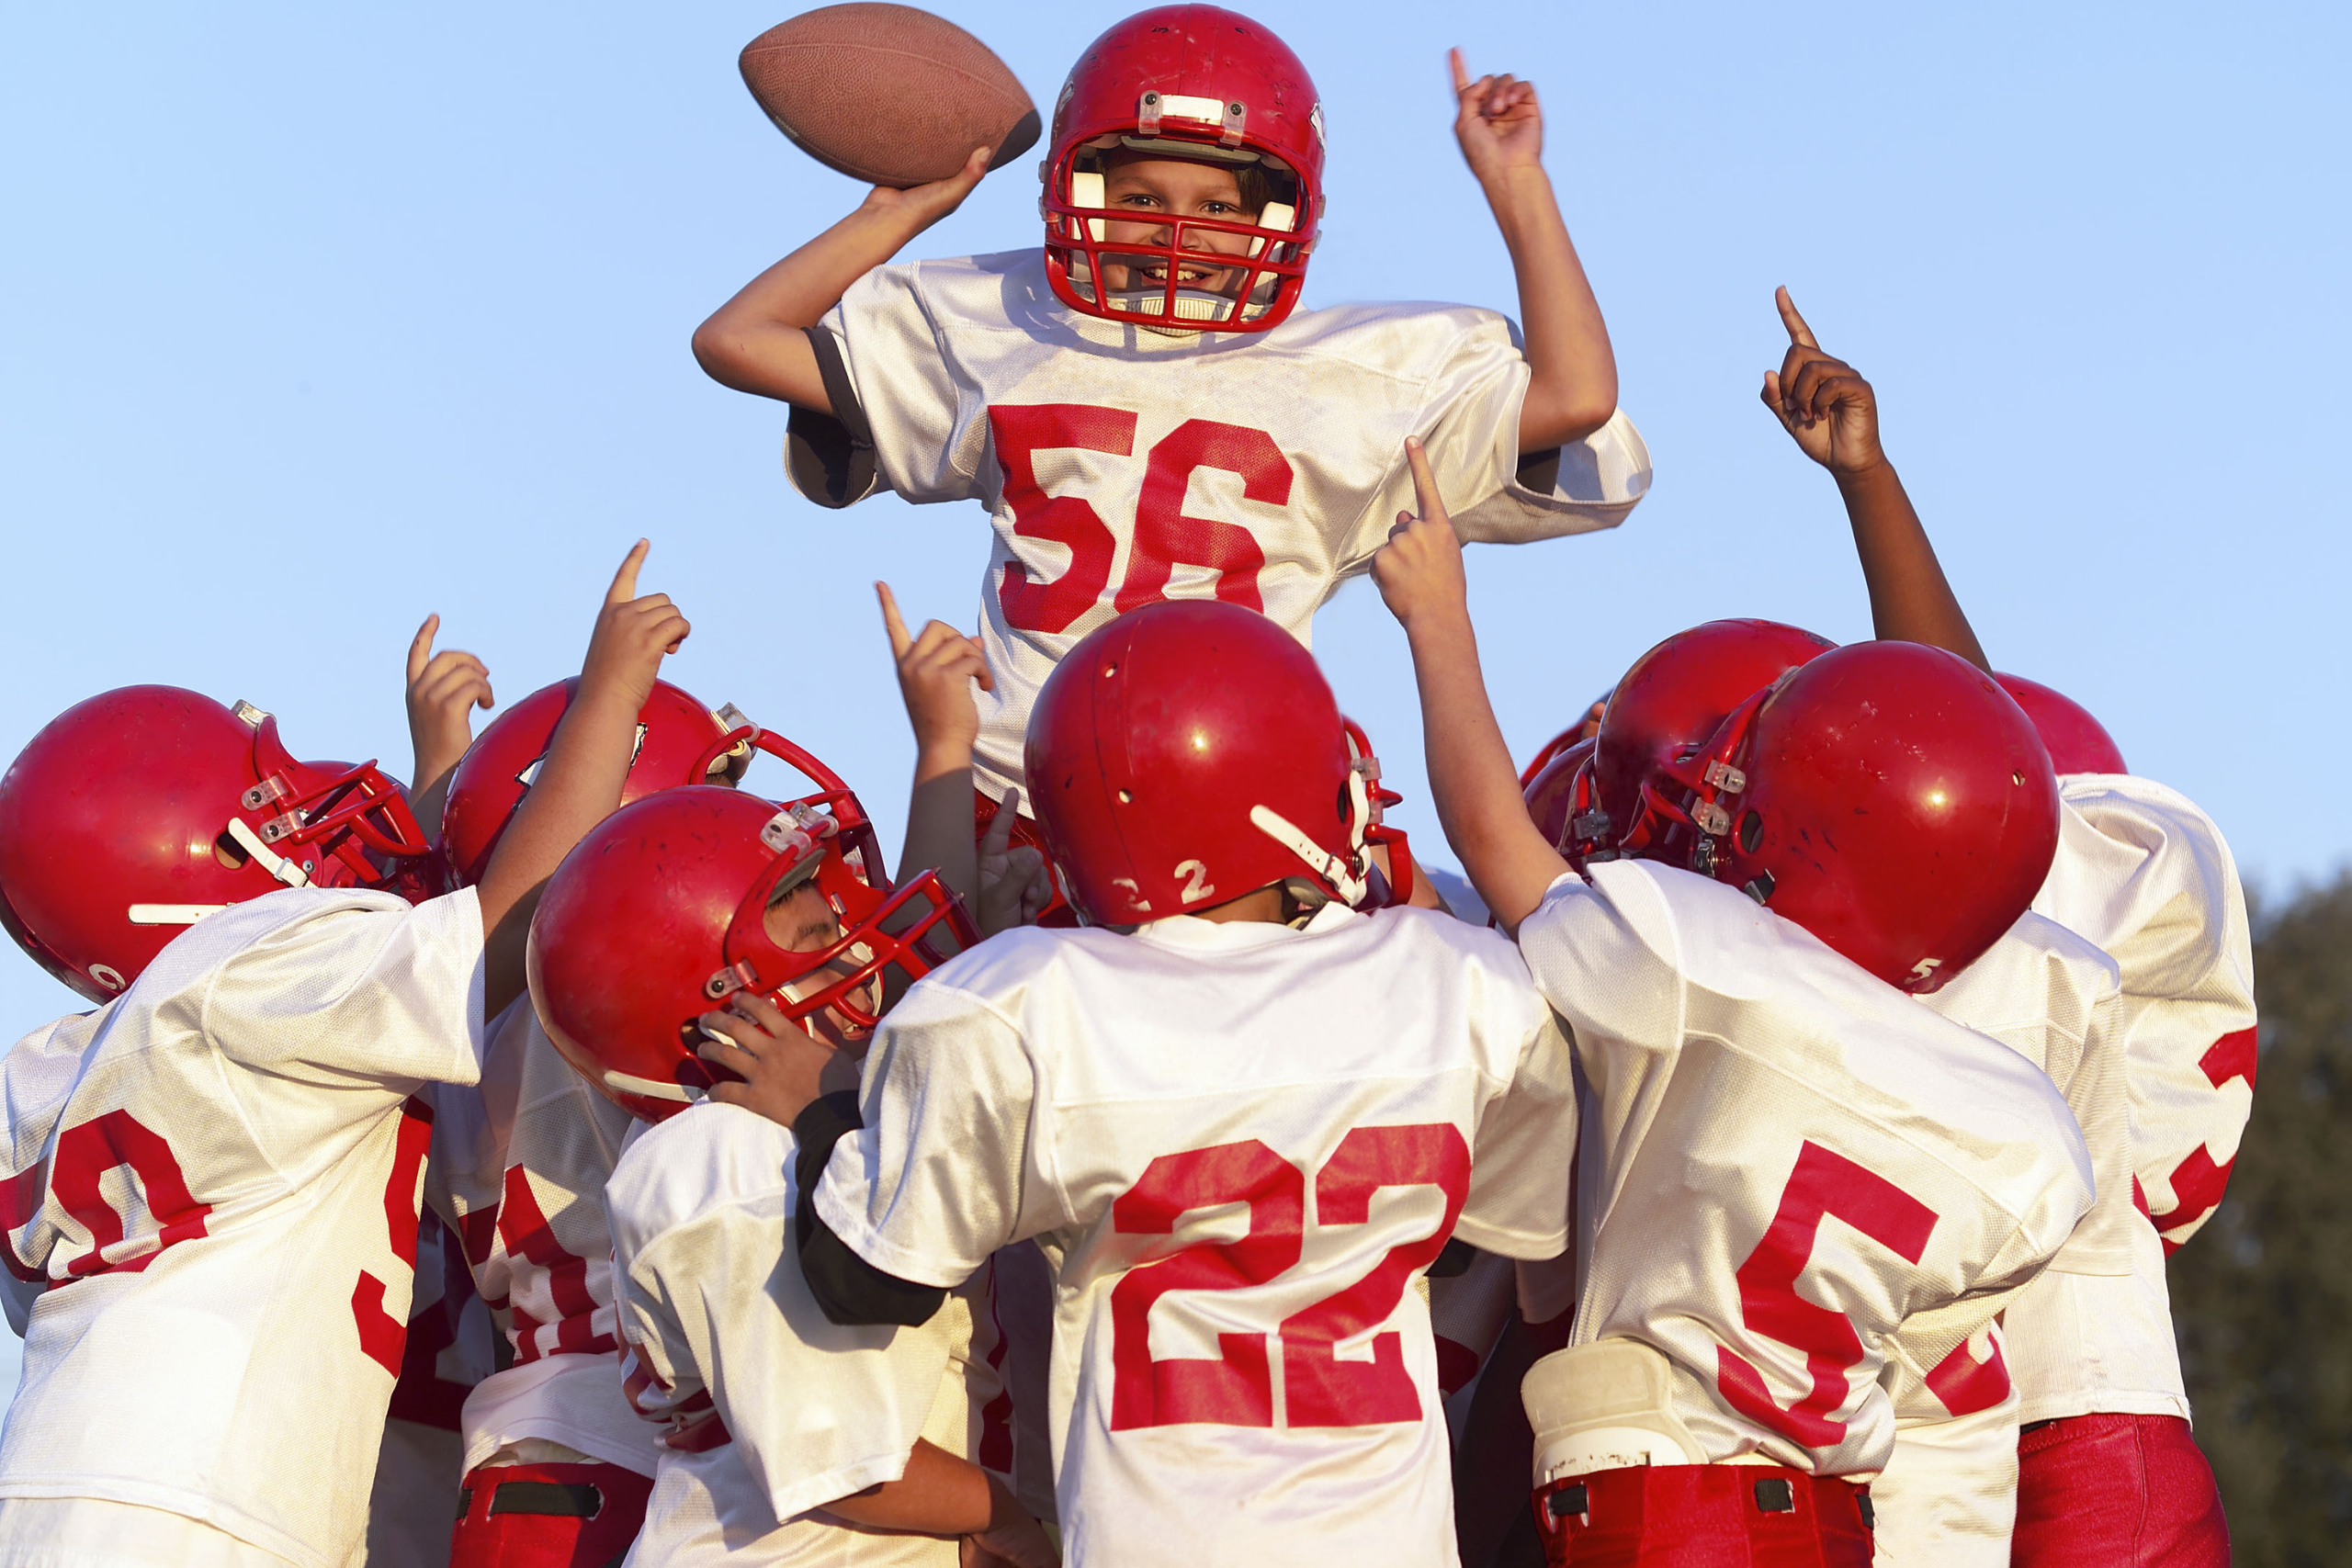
{"x":663,"y":914}
{"x":1205,"y":85}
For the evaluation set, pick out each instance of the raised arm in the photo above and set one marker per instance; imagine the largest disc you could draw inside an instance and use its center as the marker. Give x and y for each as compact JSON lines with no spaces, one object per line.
{"x":1472,"y":781}
{"x":758,"y":341}
{"x":443,"y":691}
{"x":1573,"y":386}
{"x":587,"y":763}
{"x":1832,"y":414}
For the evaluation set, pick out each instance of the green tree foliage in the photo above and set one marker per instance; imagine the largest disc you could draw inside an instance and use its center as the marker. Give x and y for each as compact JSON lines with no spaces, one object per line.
{"x":2262,"y":1297}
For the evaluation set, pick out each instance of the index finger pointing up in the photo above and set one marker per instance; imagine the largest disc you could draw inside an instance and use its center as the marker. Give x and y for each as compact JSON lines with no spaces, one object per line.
{"x":1798,"y":333}
{"x":1433,"y":505}
{"x":1461,"y":71}
{"x":623,"y":588}
{"x":892,"y":622}
{"x":420,"y":651}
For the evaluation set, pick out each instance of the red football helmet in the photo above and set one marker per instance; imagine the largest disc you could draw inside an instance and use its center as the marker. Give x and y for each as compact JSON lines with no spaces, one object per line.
{"x":660,"y":915}
{"x":673,"y":732}
{"x":1561,"y":790}
{"x":132,"y":815}
{"x":1672,"y":699}
{"x":2078,"y":743}
{"x":1197,"y":83}
{"x":1888,"y":797}
{"x":1187,"y":753}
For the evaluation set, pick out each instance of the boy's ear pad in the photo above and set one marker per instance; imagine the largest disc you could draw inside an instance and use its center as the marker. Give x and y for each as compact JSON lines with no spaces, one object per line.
{"x":887,"y":94}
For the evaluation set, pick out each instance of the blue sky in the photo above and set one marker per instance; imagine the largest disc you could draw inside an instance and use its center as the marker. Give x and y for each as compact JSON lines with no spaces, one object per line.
{"x":316,"y":320}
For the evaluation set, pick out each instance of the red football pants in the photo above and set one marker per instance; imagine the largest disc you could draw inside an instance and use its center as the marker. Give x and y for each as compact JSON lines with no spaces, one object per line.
{"x":2130,"y":1491}
{"x":548,"y":1515}
{"x":1704,"y":1515}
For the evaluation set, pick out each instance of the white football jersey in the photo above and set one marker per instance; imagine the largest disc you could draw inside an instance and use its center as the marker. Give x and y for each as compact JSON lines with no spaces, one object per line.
{"x":771,"y":1411}
{"x":520,"y":1162}
{"x":217,"y":1173}
{"x":1123,"y":465}
{"x":1948,"y":1493}
{"x":1749,"y":1087}
{"x":2145,"y":874}
{"x":1239,"y":1146}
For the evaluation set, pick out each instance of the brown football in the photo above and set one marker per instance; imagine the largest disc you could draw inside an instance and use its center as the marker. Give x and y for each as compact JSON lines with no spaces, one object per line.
{"x":887,"y":94}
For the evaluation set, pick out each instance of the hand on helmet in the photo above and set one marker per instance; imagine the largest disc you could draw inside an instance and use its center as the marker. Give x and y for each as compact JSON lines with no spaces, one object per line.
{"x":783,"y":1068}
{"x":632,"y":635}
{"x":443,"y":691}
{"x":1497,"y":121}
{"x":937,"y":669}
{"x":917,"y":208}
{"x":1014,"y":885}
{"x":1827,"y":410}
{"x":1419,"y":568}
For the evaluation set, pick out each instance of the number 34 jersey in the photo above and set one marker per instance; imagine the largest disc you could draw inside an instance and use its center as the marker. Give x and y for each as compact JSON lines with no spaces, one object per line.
{"x":1804,"y":1186}
{"x":217,"y":1174}
{"x":1238,"y":1145}
{"x":1124,"y":466}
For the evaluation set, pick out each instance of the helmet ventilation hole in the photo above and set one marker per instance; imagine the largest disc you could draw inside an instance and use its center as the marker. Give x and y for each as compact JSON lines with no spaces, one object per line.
{"x":1751,"y":832}
{"x":1126,"y":798}
{"x":2017,"y":779}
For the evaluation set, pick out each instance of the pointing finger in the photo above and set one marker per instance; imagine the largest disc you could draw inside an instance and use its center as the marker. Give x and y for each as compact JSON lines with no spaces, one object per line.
{"x":1798,"y":332}
{"x":1425,"y":494}
{"x":623,"y":588}
{"x":420,"y":649}
{"x":892,"y":622}
{"x":1461,"y":71}
{"x":999,"y":829}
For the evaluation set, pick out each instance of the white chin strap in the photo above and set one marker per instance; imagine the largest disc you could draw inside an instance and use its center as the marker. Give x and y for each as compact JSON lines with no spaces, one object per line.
{"x":270,"y":860}
{"x":629,"y":1083}
{"x":1322,"y":862}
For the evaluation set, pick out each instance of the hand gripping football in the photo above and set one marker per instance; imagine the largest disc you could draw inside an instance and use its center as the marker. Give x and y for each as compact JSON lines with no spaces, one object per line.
{"x":887,"y":94}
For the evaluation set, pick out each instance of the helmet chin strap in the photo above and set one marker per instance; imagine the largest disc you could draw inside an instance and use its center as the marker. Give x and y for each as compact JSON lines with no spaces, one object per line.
{"x":270,"y":860}
{"x":1350,"y":885}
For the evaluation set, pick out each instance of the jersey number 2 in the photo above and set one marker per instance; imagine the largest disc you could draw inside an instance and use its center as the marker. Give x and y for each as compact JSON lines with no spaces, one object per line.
{"x":1236,"y":1389}
{"x":1164,"y":537}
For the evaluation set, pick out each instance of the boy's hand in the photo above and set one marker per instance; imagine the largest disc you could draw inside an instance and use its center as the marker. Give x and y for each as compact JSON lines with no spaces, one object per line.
{"x":443,"y":691}
{"x":1014,"y":885}
{"x":917,"y":208}
{"x":1419,"y":568}
{"x":785,"y":1069}
{"x":1013,"y":1539}
{"x":1827,"y":410}
{"x":937,"y":669}
{"x":1497,"y":121}
{"x":632,"y":635}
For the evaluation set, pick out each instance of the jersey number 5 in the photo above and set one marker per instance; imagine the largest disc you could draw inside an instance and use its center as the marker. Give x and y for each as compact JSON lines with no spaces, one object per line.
{"x":1823,"y":1184}
{"x":1164,"y":536}
{"x":1236,"y":1388}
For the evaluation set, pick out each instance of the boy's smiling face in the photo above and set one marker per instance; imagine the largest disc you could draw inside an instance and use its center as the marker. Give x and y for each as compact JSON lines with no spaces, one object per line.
{"x":1156,"y":189}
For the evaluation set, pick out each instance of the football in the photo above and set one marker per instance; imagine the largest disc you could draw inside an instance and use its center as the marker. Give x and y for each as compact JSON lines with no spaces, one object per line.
{"x":887,"y":94}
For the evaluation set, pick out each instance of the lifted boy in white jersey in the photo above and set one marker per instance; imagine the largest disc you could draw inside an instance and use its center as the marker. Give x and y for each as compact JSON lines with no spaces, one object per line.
{"x":216,"y":1173}
{"x":1756,"y":1071}
{"x":1240,"y":1122}
{"x":1138,"y":404}
{"x":2108,"y":1469}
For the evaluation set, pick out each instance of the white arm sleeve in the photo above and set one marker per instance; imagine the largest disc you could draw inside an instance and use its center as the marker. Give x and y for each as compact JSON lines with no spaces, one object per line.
{"x":943,"y":1173}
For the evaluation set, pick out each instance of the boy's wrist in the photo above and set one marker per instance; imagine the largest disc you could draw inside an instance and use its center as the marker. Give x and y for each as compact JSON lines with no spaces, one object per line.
{"x":935,"y":759}
{"x":1517,"y":193}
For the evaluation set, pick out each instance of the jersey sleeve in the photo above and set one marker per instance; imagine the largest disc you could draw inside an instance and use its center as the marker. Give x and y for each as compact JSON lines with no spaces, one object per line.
{"x":2176,"y":925}
{"x":369,"y":991}
{"x":1519,"y":1161}
{"x":1467,"y":421}
{"x":943,"y":1172}
{"x":712,"y":1302}
{"x":894,"y":391}
{"x":1599,"y":953}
